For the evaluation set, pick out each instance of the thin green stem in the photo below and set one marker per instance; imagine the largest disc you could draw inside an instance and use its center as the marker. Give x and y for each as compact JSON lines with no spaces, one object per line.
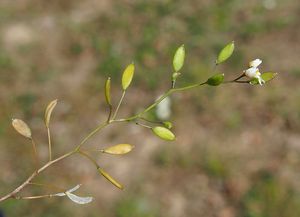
{"x":35,"y":155}
{"x":109,"y":114}
{"x":161,"y":98}
{"x":49,"y":144}
{"x":47,"y":186}
{"x":143,"y":125}
{"x":189,"y":87}
{"x":150,"y":121}
{"x":100,"y":127}
{"x":34,"y":197}
{"x":90,"y":158}
{"x":119,"y":105}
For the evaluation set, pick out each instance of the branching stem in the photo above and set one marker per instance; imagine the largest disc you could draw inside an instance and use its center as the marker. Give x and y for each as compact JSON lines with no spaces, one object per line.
{"x":28,"y":181}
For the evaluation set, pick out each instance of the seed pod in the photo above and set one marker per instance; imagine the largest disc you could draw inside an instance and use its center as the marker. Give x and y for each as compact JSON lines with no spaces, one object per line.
{"x":225,"y":53}
{"x":48,"y":112}
{"x":163,"y":133}
{"x":178,"y":59}
{"x":107,"y":92}
{"x":109,"y":178}
{"x":118,"y":149}
{"x":215,"y":80}
{"x":127,"y":76}
{"x":22,"y":128}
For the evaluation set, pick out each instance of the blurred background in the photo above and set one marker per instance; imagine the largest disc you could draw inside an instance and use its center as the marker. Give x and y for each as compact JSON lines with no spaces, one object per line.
{"x":237,"y":152}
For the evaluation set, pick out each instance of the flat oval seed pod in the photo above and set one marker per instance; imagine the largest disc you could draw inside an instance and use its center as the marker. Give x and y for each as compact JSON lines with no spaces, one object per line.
{"x":127,"y":76}
{"x":178,"y":59}
{"x":225,"y":53}
{"x":216,"y":80}
{"x":163,"y":133}
{"x":109,"y":178}
{"x":22,"y":128}
{"x":48,"y":112}
{"x":107,"y":92}
{"x":118,"y":149}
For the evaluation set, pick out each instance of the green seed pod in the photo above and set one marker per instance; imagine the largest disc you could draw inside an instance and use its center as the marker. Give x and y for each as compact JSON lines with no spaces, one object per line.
{"x":109,"y":178}
{"x":267,"y":76}
{"x":215,"y":80}
{"x":107,"y":92}
{"x":163,"y":133}
{"x":178,"y":59}
{"x":48,"y":112}
{"x":127,"y":76}
{"x":225,"y":53}
{"x":118,"y":149}
{"x":22,"y":128}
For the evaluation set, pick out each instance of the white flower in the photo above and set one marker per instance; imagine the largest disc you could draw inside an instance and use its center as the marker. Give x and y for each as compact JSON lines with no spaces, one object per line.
{"x":255,"y":63}
{"x":73,"y":197}
{"x":163,"y":109}
{"x":253,"y":71}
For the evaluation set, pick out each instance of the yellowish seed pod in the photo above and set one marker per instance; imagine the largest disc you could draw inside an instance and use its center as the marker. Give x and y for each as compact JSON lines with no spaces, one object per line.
{"x":48,"y":112}
{"x":118,"y":149}
{"x":22,"y":128}
{"x":109,"y":178}
{"x":127,"y":76}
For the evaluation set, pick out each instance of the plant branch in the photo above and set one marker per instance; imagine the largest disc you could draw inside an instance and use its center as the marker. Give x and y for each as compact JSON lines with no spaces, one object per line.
{"x":119,"y":104}
{"x":33,"y":175}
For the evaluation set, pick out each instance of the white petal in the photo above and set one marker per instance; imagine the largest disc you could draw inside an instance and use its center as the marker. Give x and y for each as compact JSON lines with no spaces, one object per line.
{"x":74,"y":189}
{"x":79,"y":200}
{"x":251,"y":72}
{"x":255,"y":63}
{"x":163,"y":109}
{"x":70,"y":191}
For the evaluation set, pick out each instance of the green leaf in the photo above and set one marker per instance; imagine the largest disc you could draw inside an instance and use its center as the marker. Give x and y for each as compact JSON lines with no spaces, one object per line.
{"x":267,"y":76}
{"x":178,"y":59}
{"x":127,"y":76}
{"x":225,"y":53}
{"x":215,"y":80}
{"x":163,"y":133}
{"x":107,"y":92}
{"x":118,"y":149}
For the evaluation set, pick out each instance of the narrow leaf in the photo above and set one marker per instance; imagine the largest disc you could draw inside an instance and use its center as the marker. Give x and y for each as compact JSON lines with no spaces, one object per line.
{"x":109,"y":178}
{"x":127,"y":76}
{"x":163,"y":133}
{"x":22,"y":128}
{"x":267,"y":76}
{"x":178,"y":59}
{"x":48,"y":112}
{"x":107,"y":92}
{"x":225,"y":53}
{"x":79,"y":200}
{"x":216,"y":79}
{"x":118,"y":149}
